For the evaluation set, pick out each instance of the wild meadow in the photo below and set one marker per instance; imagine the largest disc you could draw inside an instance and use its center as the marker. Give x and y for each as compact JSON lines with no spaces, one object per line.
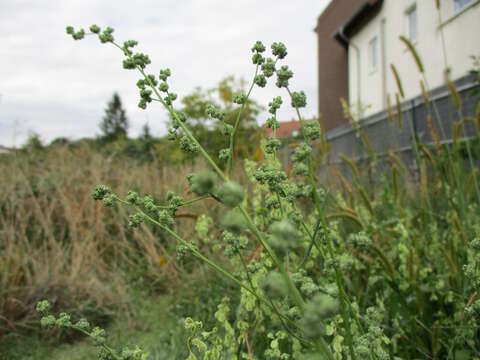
{"x":236,"y":255}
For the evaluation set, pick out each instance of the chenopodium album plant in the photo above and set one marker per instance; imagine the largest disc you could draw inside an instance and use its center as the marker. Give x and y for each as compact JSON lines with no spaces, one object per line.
{"x":284,"y":311}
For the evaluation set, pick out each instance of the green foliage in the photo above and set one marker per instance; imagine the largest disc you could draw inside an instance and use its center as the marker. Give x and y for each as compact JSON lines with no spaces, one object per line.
{"x":115,"y":123}
{"x":33,"y":143}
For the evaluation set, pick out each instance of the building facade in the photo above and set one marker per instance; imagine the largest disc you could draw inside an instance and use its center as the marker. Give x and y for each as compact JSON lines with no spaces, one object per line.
{"x":332,"y":62}
{"x":445,"y":38}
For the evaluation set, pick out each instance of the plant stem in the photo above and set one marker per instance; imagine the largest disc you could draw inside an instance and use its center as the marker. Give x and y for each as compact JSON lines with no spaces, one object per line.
{"x":338,"y":276}
{"x":291,"y":286}
{"x":209,"y":262}
{"x":235,"y":128}
{"x":189,"y":202}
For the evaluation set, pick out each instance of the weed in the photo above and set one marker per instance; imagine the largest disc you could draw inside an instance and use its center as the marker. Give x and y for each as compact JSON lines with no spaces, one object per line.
{"x":317,"y":275}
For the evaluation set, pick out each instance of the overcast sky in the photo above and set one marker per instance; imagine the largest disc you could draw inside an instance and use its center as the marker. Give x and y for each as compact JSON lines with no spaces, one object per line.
{"x":54,"y":86}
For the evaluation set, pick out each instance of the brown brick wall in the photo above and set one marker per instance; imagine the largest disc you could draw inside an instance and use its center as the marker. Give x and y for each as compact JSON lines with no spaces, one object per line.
{"x":332,"y":62}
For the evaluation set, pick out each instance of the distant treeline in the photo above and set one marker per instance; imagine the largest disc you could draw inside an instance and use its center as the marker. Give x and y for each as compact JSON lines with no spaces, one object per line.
{"x":211,"y":133}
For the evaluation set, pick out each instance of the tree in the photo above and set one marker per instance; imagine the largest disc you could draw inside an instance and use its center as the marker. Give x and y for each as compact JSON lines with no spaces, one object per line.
{"x":146,"y":135}
{"x":208,"y":131}
{"x":115,"y":123}
{"x":33,"y":143}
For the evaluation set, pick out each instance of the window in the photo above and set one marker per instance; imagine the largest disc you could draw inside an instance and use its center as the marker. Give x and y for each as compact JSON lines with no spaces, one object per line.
{"x":373,"y":54}
{"x":412,"y":24}
{"x":460,"y":4}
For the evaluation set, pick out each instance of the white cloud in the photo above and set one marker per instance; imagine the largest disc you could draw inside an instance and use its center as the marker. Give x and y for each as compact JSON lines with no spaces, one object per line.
{"x":55,"y":86}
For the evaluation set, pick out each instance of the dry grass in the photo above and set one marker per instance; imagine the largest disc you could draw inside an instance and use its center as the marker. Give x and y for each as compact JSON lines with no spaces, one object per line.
{"x":56,"y":242}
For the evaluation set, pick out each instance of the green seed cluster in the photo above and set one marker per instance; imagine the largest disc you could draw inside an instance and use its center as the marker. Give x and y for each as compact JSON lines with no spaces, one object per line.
{"x":284,"y":74}
{"x":268,"y":67}
{"x":233,"y":221}
{"x":272,"y":145}
{"x":202,"y":183}
{"x":188,"y":145}
{"x":136,"y":219}
{"x":273,"y":285}
{"x":257,"y":49}
{"x":240,"y":98}
{"x":215,"y":112}
{"x":312,"y":130}
{"x":224,"y":154}
{"x":299,"y":99}
{"x":231,"y":194}
{"x":320,"y":307}
{"x":300,"y":159}
{"x":279,"y":50}
{"x":174,"y":202}
{"x":96,"y":334}
{"x":274,"y":105}
{"x":103,"y":192}
{"x":283,"y":236}
{"x":234,"y":244}
{"x":260,"y":80}
{"x":106,"y":35}
{"x":137,"y":60}
{"x":272,"y":176}
{"x":76,"y":35}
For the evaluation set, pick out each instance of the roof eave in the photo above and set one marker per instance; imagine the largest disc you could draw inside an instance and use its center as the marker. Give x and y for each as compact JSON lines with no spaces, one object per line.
{"x":353,"y":24}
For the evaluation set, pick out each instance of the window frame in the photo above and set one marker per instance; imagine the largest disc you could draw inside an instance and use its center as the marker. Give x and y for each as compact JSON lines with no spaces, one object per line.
{"x":460,"y":5}
{"x":408,"y":23}
{"x":373,"y":54}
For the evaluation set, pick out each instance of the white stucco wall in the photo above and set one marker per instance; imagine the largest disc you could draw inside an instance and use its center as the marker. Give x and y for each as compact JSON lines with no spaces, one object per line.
{"x":462,"y":39}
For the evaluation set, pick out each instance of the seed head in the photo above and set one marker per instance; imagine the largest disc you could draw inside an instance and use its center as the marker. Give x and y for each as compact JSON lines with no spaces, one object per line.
{"x":202,"y":183}
{"x":302,"y":152}
{"x":258,"y":47}
{"x":165,"y":74}
{"x":240,"y":98}
{"x":100,"y":192}
{"x":43,"y":306}
{"x":94,"y":29}
{"x":233,"y":221}
{"x":163,"y":87}
{"x":312,"y":130}
{"x":272,"y":123}
{"x":260,"y":80}
{"x":106,"y":35}
{"x":83,"y":324}
{"x":279,"y":50}
{"x":272,"y":145}
{"x":187,"y":145}
{"x":273,"y":285}
{"x":231,"y":194}
{"x":274,"y":105}
{"x":283,"y":75}
{"x":215,"y":112}
{"x":224,"y":154}
{"x":258,"y":59}
{"x":98,"y":336}
{"x":268,"y":67}
{"x":48,"y":321}
{"x":299,"y":99}
{"x":63,"y":320}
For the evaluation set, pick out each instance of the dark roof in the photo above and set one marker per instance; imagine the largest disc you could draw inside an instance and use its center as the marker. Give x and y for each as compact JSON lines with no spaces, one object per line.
{"x":365,"y":12}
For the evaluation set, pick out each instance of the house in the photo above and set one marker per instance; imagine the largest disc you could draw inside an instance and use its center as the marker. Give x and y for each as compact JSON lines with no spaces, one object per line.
{"x":4,"y":149}
{"x":287,"y":130}
{"x":369,"y":35}
{"x":332,"y":62}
